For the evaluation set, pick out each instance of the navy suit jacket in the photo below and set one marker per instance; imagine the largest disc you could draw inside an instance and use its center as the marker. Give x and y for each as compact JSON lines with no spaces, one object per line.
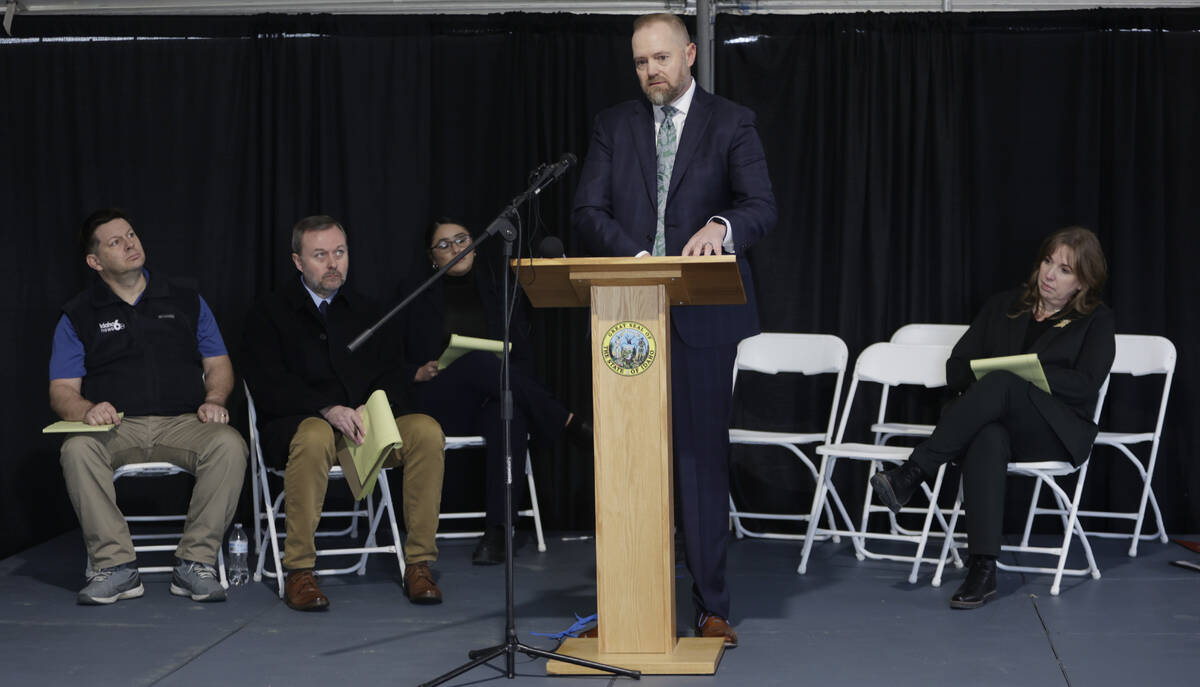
{"x":720,"y":169}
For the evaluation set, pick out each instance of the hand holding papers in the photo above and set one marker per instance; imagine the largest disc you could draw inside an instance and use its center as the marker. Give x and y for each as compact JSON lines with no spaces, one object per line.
{"x":1026,"y":366}
{"x":461,"y":345}
{"x":361,"y":463}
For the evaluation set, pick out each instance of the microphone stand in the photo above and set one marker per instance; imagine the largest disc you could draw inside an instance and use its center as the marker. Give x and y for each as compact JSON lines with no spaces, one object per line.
{"x":504,"y":226}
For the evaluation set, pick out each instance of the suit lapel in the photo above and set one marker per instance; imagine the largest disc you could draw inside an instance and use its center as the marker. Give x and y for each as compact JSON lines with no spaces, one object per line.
{"x":642,"y":131}
{"x":694,"y":127}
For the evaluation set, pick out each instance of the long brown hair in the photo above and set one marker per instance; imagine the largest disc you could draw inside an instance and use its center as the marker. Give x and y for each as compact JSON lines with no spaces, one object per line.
{"x":1088,"y":263}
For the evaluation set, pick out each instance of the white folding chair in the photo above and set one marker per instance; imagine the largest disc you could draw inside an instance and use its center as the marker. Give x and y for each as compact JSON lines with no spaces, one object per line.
{"x":924,"y":334}
{"x":1137,"y":356}
{"x":916,"y":334}
{"x":159,"y":469}
{"x":1044,"y":472}
{"x":806,"y":354}
{"x":461,"y":442}
{"x":267,"y":513}
{"x":889,"y":365}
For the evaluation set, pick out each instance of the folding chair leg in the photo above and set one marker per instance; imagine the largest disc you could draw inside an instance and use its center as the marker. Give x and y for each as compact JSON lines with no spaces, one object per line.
{"x":937,"y":489}
{"x":1074,"y":528}
{"x":837,"y":502}
{"x":270,"y":535}
{"x":814,"y":514}
{"x":948,"y":545}
{"x":533,"y":505}
{"x":374,"y":515}
{"x":389,"y":505}
{"x":256,"y":504}
{"x":1147,"y":496}
{"x":735,"y":520}
{"x":1162,"y":530}
{"x":1033,"y":504}
{"x":824,"y":490}
{"x":221,"y":568}
{"x":273,"y":537}
{"x":866,"y":509}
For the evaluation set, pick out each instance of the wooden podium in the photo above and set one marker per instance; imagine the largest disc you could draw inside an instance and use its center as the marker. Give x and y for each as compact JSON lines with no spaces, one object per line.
{"x":630,"y":300}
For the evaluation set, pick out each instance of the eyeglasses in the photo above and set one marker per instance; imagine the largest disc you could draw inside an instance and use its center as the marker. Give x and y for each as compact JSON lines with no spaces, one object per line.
{"x":460,"y":240}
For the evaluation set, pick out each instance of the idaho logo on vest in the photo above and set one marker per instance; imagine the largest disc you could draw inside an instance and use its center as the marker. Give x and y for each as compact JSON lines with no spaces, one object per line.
{"x":628,"y":348}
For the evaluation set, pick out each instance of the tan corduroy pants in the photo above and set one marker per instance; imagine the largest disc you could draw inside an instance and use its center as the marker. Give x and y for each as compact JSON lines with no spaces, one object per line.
{"x":313,"y":451}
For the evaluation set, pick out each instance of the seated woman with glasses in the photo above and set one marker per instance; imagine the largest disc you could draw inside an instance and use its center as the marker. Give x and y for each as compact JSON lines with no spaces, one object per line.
{"x":1057,"y":315}
{"x":465,"y":396}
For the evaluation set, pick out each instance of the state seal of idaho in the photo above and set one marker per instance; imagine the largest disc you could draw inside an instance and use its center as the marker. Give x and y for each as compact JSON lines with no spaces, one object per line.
{"x":628,"y":349}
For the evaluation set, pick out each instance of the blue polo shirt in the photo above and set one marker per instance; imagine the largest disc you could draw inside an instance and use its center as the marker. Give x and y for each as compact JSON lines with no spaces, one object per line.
{"x":67,"y":354}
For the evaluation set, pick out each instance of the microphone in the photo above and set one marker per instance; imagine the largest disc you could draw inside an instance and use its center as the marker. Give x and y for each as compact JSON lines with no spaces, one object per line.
{"x":537,"y":172}
{"x":551,"y":247}
{"x":553,"y":171}
{"x":564,"y":162}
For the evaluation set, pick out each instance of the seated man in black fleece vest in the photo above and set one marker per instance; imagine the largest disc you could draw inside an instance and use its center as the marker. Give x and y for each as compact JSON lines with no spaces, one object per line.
{"x":148,"y":348}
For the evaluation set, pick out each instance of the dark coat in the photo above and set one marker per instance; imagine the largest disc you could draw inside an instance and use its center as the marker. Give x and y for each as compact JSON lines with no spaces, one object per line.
{"x":1076,"y":358}
{"x":425,"y":336}
{"x":720,"y":169}
{"x":296,"y":362}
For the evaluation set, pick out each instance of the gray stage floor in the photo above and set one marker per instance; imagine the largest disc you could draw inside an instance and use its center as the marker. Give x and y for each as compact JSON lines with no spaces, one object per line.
{"x":844,"y":623}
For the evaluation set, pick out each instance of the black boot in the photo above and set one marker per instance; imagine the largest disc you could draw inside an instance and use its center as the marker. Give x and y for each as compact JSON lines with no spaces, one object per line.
{"x":491,"y":547}
{"x":896,"y":486}
{"x":980,"y":585}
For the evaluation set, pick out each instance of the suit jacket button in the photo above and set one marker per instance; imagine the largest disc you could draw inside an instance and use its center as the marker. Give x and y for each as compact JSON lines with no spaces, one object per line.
{"x":649,"y":237}
{"x":322,"y":336}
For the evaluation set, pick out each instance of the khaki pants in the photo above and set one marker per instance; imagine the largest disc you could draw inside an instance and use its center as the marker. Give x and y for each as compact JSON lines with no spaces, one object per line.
{"x":313,"y":451}
{"x":215,"y":454}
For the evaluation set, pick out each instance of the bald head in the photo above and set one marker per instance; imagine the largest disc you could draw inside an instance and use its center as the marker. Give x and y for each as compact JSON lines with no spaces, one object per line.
{"x":672,"y":21}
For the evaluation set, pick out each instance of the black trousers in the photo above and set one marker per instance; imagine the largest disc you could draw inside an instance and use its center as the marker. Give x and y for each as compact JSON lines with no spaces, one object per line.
{"x":992,"y":424}
{"x":701,"y":402}
{"x":465,"y":399}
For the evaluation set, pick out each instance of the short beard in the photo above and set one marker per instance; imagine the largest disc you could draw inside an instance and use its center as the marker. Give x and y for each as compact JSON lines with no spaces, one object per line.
{"x":665,"y":97}
{"x":321,"y":290}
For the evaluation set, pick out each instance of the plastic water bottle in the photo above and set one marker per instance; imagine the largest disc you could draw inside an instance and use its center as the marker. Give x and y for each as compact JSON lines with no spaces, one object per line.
{"x":238,"y":571}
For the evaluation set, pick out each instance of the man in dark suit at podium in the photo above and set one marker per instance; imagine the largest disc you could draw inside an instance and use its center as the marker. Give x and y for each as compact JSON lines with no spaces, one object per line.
{"x":684,"y":173}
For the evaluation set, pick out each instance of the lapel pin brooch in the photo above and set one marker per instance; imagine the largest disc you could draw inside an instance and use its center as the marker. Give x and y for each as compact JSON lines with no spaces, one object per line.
{"x":1062,"y":324}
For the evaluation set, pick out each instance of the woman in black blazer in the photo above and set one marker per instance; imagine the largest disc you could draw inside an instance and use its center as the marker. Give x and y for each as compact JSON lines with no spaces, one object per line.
{"x":465,"y":397}
{"x":1058,"y":315}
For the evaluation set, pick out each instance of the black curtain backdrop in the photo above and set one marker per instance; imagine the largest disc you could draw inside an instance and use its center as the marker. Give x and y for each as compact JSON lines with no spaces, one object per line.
{"x":917,"y":160}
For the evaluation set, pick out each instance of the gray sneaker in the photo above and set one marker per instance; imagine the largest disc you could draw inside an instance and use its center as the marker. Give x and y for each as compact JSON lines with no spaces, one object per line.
{"x":107,"y":585}
{"x":197,"y":580}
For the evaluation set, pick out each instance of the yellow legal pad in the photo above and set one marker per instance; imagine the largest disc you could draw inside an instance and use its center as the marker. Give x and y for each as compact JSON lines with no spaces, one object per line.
{"x":64,"y":427}
{"x":461,"y":345}
{"x":1026,"y":366}
{"x":362,"y":463}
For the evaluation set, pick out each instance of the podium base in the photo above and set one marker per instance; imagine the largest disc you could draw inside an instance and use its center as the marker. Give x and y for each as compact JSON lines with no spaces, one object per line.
{"x":692,"y":656}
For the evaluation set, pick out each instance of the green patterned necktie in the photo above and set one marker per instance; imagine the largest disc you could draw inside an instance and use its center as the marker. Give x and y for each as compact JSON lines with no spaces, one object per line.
{"x":665,"y":147}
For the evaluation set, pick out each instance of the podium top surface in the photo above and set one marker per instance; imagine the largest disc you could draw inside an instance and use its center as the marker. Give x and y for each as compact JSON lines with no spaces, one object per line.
{"x":567,"y":282}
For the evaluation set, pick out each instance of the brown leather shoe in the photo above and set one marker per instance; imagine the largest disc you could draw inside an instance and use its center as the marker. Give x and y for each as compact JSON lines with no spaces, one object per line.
{"x":716,"y":626}
{"x":302,"y":593}
{"x":418,"y":581}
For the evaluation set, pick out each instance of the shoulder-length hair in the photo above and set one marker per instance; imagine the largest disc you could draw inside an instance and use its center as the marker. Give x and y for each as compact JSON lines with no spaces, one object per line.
{"x":1088,"y":263}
